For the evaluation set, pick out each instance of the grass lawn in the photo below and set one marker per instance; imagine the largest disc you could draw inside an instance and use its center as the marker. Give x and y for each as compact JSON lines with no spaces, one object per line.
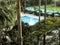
{"x":50,"y":7}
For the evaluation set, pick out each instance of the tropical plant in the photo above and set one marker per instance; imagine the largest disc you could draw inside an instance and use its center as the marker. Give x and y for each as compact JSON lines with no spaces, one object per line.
{"x":7,"y":16}
{"x":31,"y":33}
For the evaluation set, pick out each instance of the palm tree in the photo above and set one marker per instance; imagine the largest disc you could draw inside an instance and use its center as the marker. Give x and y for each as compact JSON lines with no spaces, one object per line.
{"x":5,"y":12}
{"x":6,"y":16}
{"x":19,"y":22}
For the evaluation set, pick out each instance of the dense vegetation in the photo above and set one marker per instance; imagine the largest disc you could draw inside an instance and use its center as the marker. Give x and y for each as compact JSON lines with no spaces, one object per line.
{"x":8,"y":18}
{"x":31,"y":33}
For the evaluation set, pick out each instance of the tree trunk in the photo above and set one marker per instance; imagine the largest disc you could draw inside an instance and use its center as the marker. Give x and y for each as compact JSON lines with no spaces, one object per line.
{"x":44,"y":42}
{"x":19,"y":22}
{"x":0,"y":37}
{"x":38,"y":40}
{"x":39,"y":12}
{"x":59,"y":36}
{"x":25,"y":4}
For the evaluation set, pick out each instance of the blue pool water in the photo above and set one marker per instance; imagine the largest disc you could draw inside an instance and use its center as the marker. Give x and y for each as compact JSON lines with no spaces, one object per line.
{"x":29,"y":20}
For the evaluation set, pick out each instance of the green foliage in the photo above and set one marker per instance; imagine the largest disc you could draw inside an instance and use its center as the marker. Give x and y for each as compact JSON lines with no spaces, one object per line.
{"x":7,"y":13}
{"x":51,"y":23}
{"x":8,"y":16}
{"x":30,"y":33}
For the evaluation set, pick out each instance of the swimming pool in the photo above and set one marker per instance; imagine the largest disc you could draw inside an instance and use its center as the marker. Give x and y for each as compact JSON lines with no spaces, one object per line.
{"x":30,"y":20}
{"x":47,"y":11}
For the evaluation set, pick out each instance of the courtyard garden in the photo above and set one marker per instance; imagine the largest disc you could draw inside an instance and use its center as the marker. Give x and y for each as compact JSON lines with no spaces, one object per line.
{"x":29,"y":22}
